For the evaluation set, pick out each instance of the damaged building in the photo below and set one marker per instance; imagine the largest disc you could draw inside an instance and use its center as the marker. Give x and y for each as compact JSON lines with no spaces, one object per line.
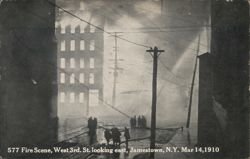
{"x":224,"y":76}
{"x":28,"y":83}
{"x":80,"y":59}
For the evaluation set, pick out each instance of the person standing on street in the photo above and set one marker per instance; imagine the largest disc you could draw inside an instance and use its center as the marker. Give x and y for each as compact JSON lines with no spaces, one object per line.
{"x":144,"y":121}
{"x":107,"y":135}
{"x":131,"y":122}
{"x":139,"y":121}
{"x":127,"y":137}
{"x":95,"y":125}
{"x":135,"y":121}
{"x":90,"y":124}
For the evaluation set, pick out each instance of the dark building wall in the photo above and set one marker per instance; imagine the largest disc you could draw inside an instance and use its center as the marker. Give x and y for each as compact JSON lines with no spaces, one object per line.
{"x":230,"y":50}
{"x":207,"y":123}
{"x":28,"y":73}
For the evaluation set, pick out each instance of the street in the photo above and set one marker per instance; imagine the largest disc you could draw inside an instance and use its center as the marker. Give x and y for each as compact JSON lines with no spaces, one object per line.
{"x":139,"y":138}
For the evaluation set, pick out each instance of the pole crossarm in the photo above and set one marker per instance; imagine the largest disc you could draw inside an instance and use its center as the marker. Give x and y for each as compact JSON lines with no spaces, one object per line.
{"x":155,"y":50}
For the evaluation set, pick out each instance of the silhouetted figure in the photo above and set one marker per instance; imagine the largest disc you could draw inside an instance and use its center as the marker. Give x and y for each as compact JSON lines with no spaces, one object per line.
{"x":135,"y":122}
{"x":92,"y":138}
{"x":116,"y":135}
{"x":131,"y":123}
{"x":107,"y":135}
{"x":90,"y":124}
{"x":127,"y":137}
{"x":144,"y":122}
{"x":182,"y":128}
{"x":139,"y":121}
{"x":95,"y":124}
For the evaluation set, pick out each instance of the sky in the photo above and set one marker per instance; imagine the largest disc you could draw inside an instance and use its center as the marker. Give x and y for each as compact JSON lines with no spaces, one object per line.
{"x":173,"y":27}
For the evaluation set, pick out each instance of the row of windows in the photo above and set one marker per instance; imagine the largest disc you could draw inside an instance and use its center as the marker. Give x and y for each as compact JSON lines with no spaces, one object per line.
{"x":72,"y":97}
{"x":73,"y":79}
{"x":73,"y":45}
{"x":73,"y":29}
{"x":72,"y":63}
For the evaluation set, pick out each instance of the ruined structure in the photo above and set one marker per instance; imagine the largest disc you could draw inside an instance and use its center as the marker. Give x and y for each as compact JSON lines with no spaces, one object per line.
{"x":28,"y":74}
{"x":80,"y":59}
{"x":227,"y":99}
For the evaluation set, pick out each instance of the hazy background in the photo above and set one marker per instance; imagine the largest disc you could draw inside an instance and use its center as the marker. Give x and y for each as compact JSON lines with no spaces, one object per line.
{"x":173,"y":26}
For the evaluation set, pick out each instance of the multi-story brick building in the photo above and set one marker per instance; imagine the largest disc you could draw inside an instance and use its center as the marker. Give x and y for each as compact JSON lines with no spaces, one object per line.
{"x":80,"y":59}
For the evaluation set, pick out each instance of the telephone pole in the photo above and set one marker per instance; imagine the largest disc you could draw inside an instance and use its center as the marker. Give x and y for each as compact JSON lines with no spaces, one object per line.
{"x":155,"y":53}
{"x":116,"y":69}
{"x":192,"y":85}
{"x":115,"y":73}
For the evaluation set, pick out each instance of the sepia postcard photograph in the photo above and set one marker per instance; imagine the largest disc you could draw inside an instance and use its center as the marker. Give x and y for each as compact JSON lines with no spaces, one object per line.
{"x":124,"y":79}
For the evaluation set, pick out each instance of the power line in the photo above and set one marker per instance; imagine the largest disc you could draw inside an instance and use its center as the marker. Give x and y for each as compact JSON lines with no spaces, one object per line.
{"x":110,"y":33}
{"x":159,"y":30}
{"x":168,"y":69}
{"x":75,"y":78}
{"x":171,"y":27}
{"x":106,"y":32}
{"x":97,"y":27}
{"x":160,"y":61}
{"x":104,"y":102}
{"x":175,"y":27}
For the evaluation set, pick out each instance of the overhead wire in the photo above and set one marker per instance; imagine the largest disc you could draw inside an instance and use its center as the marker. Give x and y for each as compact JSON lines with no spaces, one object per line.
{"x":159,"y":29}
{"x":175,"y":27}
{"x":69,"y":74}
{"x":99,"y":28}
{"x":111,"y":33}
{"x":66,"y":73}
{"x":95,"y":27}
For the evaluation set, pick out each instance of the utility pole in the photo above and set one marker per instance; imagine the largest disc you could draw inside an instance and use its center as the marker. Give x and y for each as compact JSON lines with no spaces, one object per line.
{"x":192,"y":84}
{"x":116,"y":69}
{"x":155,"y":53}
{"x":115,"y":73}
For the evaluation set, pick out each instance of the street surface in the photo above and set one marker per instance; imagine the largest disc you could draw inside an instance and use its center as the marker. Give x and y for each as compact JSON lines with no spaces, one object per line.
{"x":139,"y":139}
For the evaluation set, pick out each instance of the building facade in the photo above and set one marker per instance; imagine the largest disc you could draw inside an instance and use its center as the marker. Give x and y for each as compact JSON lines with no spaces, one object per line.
{"x":80,"y":59}
{"x":230,"y":52}
{"x":28,"y":74}
{"x":206,"y":116}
